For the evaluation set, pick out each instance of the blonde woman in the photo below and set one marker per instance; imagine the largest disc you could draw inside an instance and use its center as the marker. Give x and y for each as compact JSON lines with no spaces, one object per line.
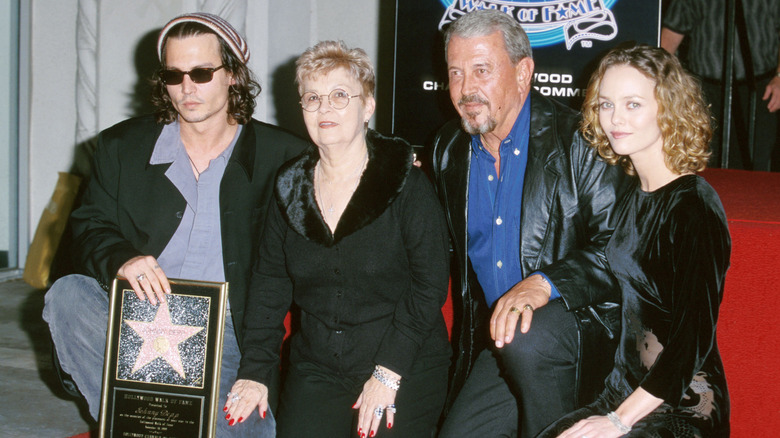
{"x":669,"y":252}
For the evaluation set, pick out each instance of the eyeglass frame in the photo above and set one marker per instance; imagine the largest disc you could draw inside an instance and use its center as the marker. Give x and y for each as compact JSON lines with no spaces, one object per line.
{"x":210,"y":70}
{"x":330,"y":102}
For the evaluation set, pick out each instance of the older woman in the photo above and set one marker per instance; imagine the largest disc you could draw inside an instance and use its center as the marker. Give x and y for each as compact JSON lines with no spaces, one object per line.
{"x":357,"y":241}
{"x":670,"y":251}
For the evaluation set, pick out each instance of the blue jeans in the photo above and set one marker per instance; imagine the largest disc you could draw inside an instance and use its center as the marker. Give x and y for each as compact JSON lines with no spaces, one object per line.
{"x":77,"y":312}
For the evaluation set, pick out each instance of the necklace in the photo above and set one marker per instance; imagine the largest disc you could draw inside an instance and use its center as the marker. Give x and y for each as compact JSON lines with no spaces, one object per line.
{"x":195,"y":168}
{"x":321,"y":177}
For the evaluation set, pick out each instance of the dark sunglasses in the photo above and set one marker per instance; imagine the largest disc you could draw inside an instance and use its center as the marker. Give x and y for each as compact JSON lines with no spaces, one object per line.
{"x":199,"y":75}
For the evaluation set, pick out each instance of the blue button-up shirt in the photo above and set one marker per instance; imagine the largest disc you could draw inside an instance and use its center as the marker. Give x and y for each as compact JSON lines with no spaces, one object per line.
{"x":195,"y":249}
{"x":494,"y":207}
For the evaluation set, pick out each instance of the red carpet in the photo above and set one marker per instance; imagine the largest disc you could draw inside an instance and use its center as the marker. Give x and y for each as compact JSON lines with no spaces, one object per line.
{"x":750,"y":312}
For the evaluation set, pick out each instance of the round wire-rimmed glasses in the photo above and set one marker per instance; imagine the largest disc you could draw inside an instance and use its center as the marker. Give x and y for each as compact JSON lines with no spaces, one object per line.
{"x":337,"y":99}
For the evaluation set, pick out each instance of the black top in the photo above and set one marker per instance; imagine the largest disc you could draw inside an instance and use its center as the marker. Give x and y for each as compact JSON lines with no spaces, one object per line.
{"x":370,"y":293}
{"x":670,"y":251}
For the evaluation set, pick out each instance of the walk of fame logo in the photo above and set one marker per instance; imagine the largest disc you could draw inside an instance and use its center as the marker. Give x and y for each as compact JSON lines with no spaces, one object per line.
{"x":548,"y":22}
{"x":154,"y":348}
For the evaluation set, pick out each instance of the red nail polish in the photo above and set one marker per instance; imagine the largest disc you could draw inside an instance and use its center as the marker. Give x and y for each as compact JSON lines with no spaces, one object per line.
{"x":264,"y":415}
{"x":389,"y":425}
{"x":240,"y":419}
{"x":360,"y":431}
{"x":232,"y":422}
{"x":372,"y":434}
{"x":224,"y":409}
{"x":227,"y":417}
{"x":353,"y":407}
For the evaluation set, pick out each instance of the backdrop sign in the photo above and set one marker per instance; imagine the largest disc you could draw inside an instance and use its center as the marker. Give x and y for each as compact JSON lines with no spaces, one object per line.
{"x":567,"y":38}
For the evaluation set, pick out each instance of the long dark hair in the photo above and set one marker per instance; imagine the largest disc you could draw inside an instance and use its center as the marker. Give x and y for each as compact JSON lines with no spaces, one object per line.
{"x":241,"y":99}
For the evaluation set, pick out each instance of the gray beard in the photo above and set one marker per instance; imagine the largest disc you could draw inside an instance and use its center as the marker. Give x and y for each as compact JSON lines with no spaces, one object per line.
{"x":488,"y":126}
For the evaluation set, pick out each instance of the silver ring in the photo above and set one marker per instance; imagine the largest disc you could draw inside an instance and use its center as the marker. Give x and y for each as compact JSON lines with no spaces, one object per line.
{"x":140,"y":277}
{"x":234,"y":398}
{"x":379,"y":411}
{"x":391,"y":408}
{"x":531,"y":308}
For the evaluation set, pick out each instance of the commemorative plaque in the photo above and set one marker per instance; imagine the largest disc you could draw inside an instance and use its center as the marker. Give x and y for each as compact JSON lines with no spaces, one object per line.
{"x":162,"y":365}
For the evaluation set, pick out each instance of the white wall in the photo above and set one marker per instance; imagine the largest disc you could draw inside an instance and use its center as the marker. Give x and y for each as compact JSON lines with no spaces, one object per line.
{"x":6,"y":76}
{"x":278,"y":31}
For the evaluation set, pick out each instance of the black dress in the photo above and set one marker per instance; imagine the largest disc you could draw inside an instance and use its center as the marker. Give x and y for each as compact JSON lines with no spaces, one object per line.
{"x":670,"y":252}
{"x":369,"y":293}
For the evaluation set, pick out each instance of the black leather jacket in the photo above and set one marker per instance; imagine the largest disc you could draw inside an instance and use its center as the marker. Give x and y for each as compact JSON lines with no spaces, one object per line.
{"x":568,"y":199}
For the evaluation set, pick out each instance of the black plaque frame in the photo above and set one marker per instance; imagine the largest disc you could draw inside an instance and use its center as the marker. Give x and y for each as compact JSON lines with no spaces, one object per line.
{"x":153,"y":394}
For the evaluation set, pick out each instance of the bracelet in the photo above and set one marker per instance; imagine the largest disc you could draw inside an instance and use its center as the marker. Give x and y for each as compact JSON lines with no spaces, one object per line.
{"x":613,"y":417}
{"x":386,"y":380}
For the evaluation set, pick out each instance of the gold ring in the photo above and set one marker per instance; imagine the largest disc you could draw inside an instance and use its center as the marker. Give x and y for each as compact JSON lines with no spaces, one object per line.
{"x":514,"y":309}
{"x":528,"y":307}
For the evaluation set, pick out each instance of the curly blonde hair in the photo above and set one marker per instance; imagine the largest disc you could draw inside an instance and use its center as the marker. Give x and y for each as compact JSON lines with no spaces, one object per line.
{"x":683,"y":116}
{"x":327,"y":56}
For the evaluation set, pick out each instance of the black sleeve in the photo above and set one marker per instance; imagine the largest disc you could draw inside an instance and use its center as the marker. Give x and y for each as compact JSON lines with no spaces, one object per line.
{"x":269,"y":298}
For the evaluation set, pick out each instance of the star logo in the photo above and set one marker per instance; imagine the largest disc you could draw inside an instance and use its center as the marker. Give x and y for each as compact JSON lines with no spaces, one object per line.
{"x":161,"y":338}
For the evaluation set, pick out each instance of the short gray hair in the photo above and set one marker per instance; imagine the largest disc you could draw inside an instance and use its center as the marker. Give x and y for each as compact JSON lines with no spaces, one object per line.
{"x":487,"y":21}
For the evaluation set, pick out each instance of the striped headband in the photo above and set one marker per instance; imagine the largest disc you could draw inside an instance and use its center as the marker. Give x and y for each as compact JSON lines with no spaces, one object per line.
{"x":219,"y":25}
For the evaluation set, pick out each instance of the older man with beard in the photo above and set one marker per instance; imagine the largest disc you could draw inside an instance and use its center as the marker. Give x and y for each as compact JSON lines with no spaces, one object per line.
{"x":530,"y":211}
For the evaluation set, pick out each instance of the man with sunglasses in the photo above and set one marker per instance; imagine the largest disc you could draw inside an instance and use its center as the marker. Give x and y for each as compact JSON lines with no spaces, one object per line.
{"x":181,"y":194}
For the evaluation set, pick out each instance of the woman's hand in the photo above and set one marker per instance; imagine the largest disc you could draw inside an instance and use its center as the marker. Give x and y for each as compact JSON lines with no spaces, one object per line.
{"x":374,"y":399}
{"x":635,"y":407}
{"x":242,"y":400}
{"x":592,"y":427}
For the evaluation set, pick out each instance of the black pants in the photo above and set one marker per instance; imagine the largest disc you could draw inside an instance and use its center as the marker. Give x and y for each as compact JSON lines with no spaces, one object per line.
{"x":766,"y":132}
{"x":525,"y":386}
{"x":317,"y":403}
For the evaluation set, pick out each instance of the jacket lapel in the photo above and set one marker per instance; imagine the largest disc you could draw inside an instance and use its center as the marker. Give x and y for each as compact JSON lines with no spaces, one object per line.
{"x":540,"y":186}
{"x":455,"y":177}
{"x":390,"y":160}
{"x":244,"y":151}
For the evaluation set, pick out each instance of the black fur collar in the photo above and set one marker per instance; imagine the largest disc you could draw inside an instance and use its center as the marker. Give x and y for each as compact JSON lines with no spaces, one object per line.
{"x":389,"y":162}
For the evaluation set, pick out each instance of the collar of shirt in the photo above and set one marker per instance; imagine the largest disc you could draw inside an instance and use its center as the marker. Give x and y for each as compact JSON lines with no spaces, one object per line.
{"x":169,"y":144}
{"x":494,"y":207}
{"x":195,"y":249}
{"x":170,"y":149}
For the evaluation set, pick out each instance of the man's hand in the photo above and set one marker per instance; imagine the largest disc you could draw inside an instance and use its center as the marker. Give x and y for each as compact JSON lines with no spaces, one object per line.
{"x":146,"y":278}
{"x":772,"y":93}
{"x":519,"y":302}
